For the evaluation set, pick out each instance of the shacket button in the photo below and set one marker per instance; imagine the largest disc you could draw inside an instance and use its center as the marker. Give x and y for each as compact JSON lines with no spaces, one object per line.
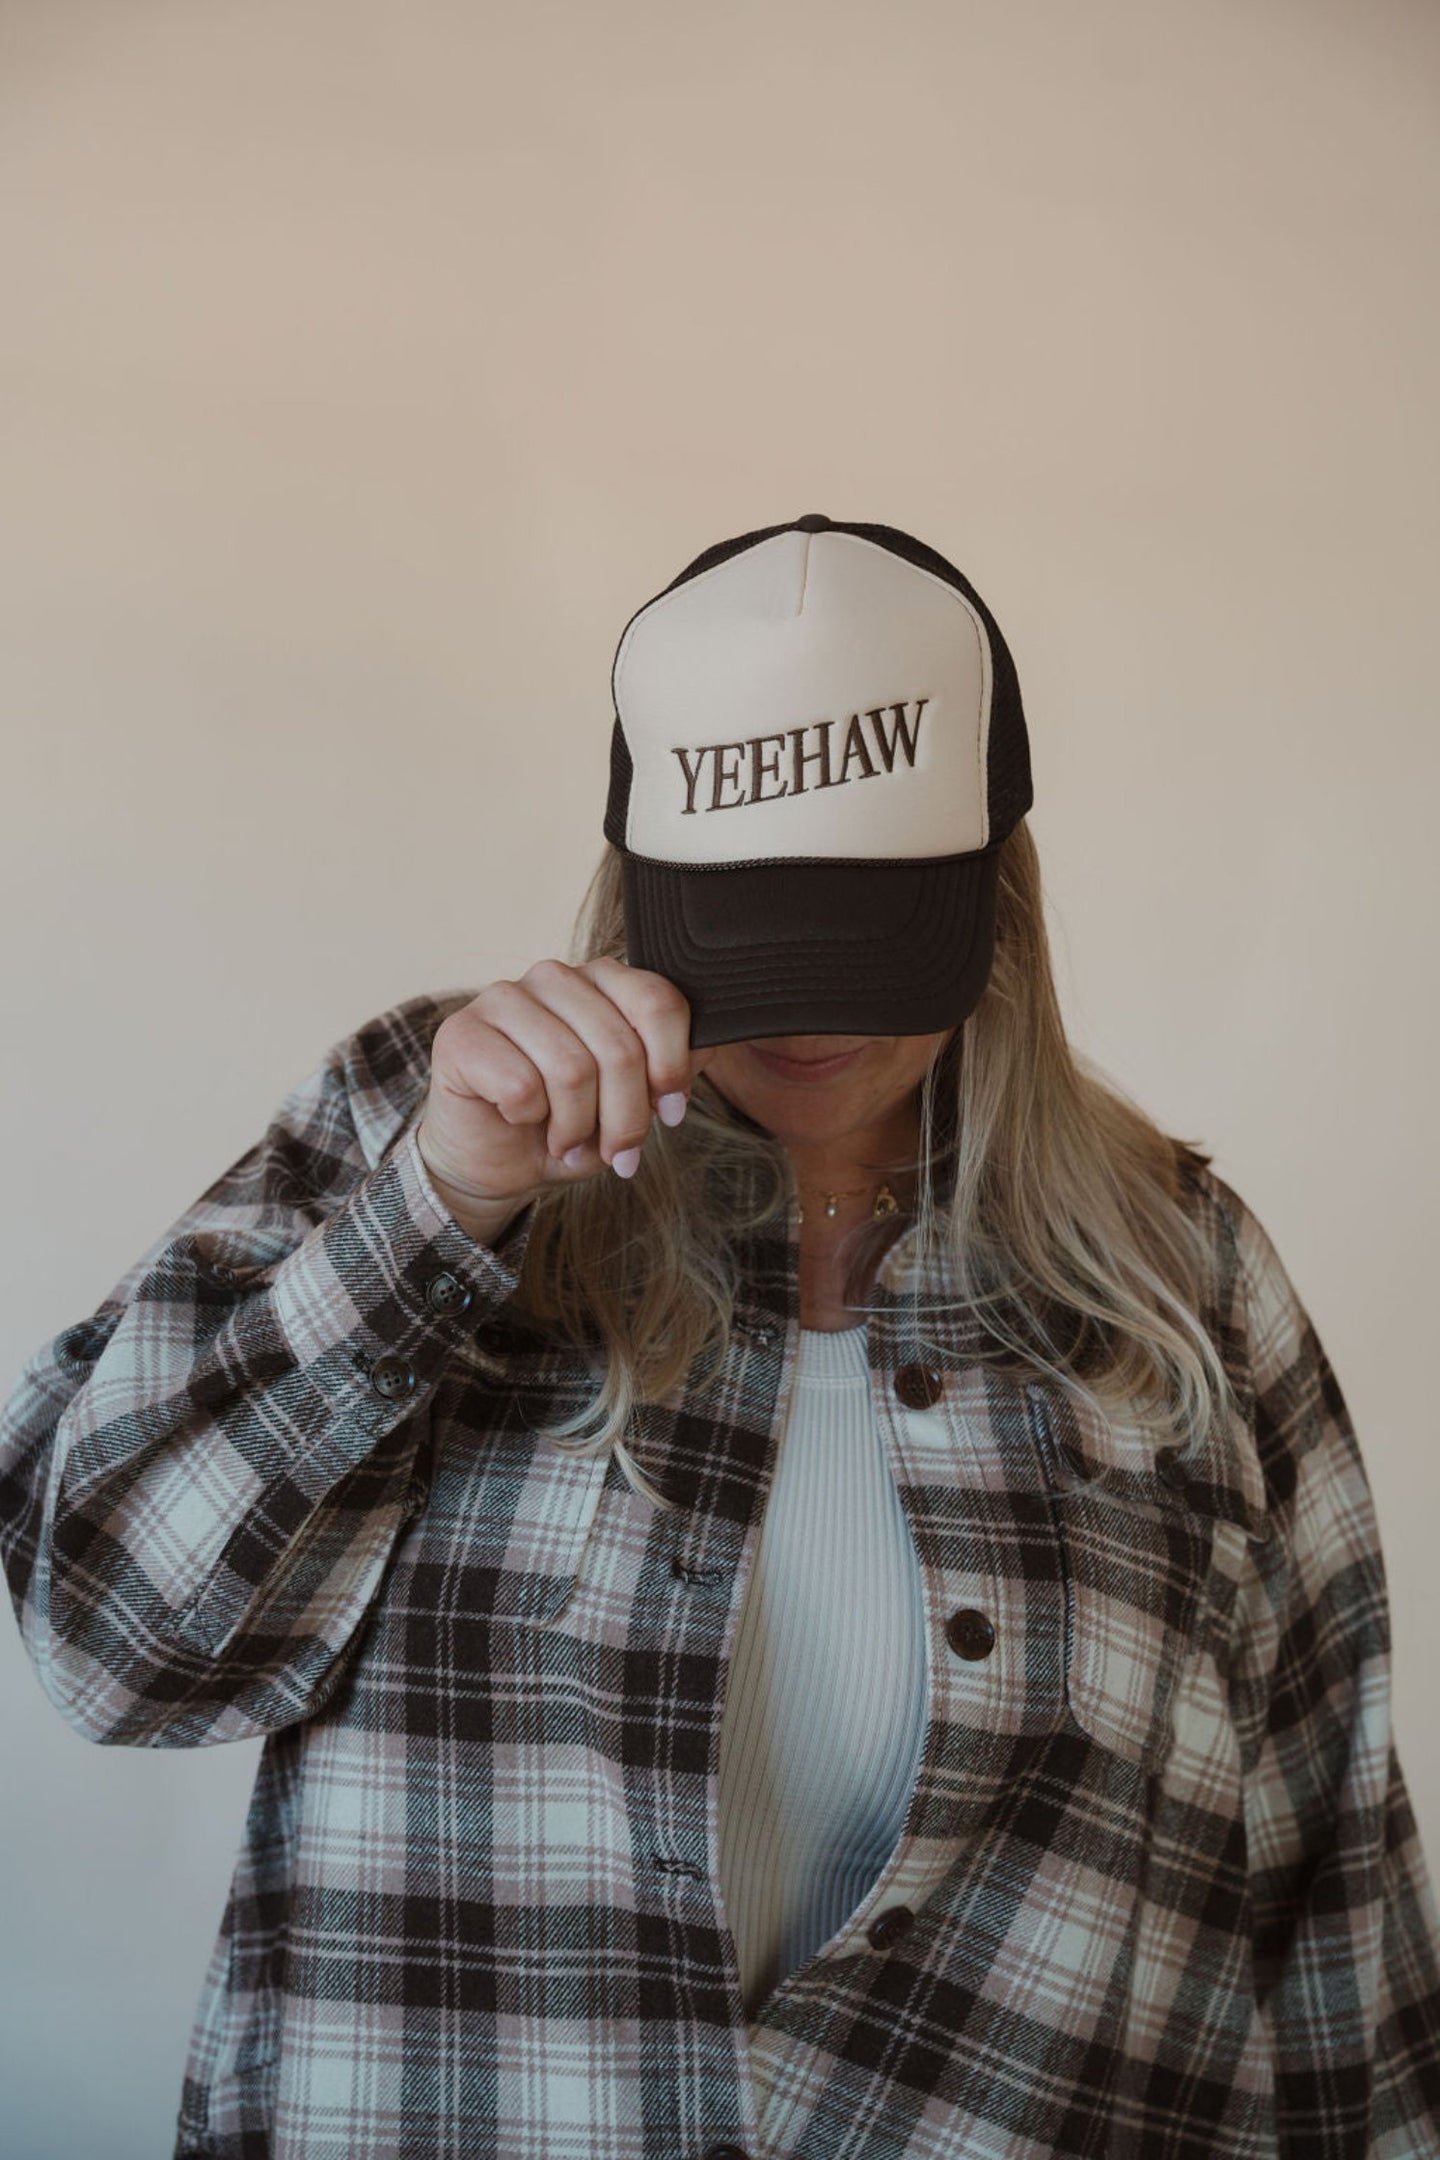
{"x":685,"y":1573}
{"x":919,"y":1387}
{"x":725,"y":2152}
{"x":391,"y":1377}
{"x":1074,"y":1456}
{"x":80,"y":1345}
{"x":1171,"y":1468}
{"x":445,"y":1293}
{"x":969,"y":1633}
{"x":889,"y":1927}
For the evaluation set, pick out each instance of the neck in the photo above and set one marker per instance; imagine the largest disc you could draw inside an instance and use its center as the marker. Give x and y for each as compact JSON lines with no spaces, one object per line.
{"x":857,"y":1163}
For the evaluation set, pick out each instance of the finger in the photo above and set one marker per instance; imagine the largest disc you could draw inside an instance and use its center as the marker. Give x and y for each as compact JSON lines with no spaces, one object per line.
{"x":660,"y":1015}
{"x":619,"y":1054}
{"x":474,"y":1058}
{"x":566,"y":1101}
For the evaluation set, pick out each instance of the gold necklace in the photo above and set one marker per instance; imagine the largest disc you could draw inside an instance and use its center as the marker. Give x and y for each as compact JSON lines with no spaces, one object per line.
{"x":885,"y":1202}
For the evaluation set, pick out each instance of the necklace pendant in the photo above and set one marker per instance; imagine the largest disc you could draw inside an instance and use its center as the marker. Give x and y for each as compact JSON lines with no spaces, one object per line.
{"x":832,"y":1204}
{"x":885,"y":1202}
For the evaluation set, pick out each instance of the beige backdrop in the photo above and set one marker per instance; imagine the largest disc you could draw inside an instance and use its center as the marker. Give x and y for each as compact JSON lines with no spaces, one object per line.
{"x":363,"y":367}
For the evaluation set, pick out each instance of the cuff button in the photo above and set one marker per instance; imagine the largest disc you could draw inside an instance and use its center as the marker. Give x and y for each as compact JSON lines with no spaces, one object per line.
{"x":446,"y":1293}
{"x":391,"y":1377}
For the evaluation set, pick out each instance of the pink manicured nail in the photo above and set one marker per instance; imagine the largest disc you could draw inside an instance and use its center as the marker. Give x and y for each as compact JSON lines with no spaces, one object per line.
{"x":627,"y":1162}
{"x":573,"y":1157}
{"x":671,"y":1108}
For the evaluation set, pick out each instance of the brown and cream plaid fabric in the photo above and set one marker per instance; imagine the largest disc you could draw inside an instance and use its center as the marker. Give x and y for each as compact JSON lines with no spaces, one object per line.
{"x":1159,"y":1891}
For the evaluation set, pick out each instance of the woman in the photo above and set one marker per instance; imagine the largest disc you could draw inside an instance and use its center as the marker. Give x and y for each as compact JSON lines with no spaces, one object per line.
{"x":800,"y":1606}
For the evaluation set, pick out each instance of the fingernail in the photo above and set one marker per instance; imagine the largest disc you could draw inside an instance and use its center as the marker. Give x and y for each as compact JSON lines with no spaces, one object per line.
{"x":573,"y":1157}
{"x":671,"y":1107}
{"x":627,"y":1162}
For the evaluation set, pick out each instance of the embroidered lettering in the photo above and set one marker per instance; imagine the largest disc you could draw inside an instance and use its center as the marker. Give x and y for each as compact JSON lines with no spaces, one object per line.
{"x":887,"y":749}
{"x":724,"y":776}
{"x":760,"y":768}
{"x":808,"y":757}
{"x":810,"y":749}
{"x":855,"y":747}
{"x":691,"y":779}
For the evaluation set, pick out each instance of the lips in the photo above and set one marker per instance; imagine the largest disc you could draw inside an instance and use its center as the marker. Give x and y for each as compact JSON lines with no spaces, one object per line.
{"x":803,"y":1068}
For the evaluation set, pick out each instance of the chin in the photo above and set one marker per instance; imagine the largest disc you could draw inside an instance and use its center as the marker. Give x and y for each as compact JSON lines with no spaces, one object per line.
{"x":793,"y":1114}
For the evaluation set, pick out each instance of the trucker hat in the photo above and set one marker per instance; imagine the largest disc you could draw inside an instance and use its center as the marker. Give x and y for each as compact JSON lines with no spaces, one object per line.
{"x":817,"y":748}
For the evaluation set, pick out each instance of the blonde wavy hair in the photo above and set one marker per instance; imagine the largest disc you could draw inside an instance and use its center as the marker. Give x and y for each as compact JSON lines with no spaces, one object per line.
{"x":1057,"y":1205}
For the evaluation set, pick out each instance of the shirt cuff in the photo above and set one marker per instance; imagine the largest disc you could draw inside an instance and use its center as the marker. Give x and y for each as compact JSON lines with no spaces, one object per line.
{"x":376,"y":1298}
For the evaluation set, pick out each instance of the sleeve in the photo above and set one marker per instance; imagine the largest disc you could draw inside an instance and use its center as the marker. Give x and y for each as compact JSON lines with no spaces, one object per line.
{"x":1346,"y":1939}
{"x":201,"y":1484}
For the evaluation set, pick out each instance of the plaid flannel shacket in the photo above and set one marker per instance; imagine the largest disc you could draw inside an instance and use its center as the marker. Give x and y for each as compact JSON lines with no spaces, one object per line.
{"x":1159,"y":1890}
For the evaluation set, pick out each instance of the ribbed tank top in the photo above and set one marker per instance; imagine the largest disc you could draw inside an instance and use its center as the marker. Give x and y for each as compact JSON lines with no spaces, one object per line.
{"x":825,"y":1707}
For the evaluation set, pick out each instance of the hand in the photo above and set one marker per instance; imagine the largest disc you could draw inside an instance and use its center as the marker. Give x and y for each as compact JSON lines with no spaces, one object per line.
{"x":552,"y":1079}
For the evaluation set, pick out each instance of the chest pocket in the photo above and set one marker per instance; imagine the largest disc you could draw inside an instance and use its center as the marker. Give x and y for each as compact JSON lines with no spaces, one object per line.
{"x":502,"y":1524}
{"x":1137,"y":1541}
